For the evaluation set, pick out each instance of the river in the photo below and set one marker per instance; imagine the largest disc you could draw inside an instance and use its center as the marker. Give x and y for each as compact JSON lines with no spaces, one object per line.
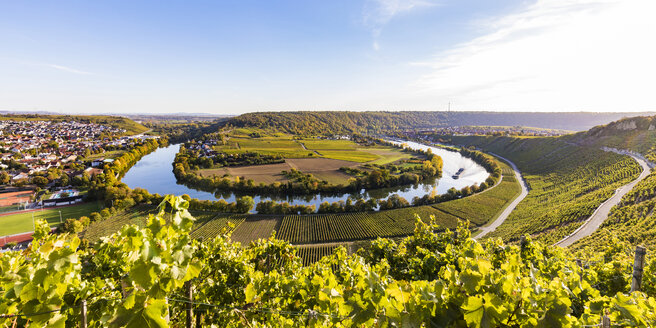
{"x":154,"y":172}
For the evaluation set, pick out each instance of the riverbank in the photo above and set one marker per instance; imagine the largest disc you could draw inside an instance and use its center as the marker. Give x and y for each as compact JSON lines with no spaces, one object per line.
{"x":153,"y":173}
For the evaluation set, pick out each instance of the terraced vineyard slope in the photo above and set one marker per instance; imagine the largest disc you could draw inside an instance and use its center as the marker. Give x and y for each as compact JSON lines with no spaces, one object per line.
{"x":567,"y":183}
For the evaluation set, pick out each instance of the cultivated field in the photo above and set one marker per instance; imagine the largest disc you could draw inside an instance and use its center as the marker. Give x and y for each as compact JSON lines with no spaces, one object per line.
{"x":320,"y":157}
{"x":322,"y":168}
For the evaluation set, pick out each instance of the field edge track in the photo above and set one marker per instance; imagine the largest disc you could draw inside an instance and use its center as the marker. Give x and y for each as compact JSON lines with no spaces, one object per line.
{"x":493,"y":225}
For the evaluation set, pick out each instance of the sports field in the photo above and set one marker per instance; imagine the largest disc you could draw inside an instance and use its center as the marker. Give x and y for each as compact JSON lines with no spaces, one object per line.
{"x":22,"y":222}
{"x":8,"y":199}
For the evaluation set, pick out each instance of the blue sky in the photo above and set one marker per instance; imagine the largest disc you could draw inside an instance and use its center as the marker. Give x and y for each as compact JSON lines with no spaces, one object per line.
{"x":240,"y":56}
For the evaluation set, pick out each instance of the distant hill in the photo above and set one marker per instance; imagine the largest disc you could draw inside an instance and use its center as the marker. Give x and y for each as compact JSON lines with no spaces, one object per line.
{"x":118,"y":122}
{"x":373,"y":122}
{"x":635,"y":133}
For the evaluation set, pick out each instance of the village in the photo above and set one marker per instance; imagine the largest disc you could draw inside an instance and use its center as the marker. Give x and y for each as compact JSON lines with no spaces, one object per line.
{"x":54,"y":155}
{"x":488,"y":130}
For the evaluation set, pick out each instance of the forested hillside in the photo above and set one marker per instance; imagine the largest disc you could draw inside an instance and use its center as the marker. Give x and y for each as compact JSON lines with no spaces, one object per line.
{"x":316,"y":123}
{"x":567,"y":183}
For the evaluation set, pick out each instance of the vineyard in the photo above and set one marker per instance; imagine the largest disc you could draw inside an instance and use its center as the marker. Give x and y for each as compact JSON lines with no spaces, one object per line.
{"x":159,"y":276}
{"x":209,"y":224}
{"x":324,"y":228}
{"x":256,"y":227}
{"x":136,"y":215}
{"x":566,"y":182}
{"x":312,"y":254}
{"x":632,"y":220}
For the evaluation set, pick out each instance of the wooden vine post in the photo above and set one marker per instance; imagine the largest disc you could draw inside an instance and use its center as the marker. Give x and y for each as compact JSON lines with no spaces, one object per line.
{"x":522,"y":240}
{"x":605,"y":321}
{"x":190,"y":297}
{"x":638,"y":265}
{"x":83,"y":322}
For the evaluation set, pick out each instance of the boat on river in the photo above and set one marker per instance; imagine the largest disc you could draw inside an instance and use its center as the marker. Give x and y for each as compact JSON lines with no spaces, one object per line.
{"x":457,"y":175}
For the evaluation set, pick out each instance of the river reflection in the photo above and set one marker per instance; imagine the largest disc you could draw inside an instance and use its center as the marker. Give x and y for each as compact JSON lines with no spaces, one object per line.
{"x":154,"y":172}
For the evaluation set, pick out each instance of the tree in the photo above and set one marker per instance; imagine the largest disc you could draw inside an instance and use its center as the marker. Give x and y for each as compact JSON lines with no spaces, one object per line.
{"x":245,"y":204}
{"x":40,"y":181}
{"x":4,"y":178}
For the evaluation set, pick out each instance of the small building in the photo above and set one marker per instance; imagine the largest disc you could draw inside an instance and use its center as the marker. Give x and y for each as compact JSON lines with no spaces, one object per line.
{"x":98,"y":162}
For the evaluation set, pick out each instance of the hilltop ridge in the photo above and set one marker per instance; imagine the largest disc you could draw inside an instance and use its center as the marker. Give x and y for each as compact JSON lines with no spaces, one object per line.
{"x":341,"y":122}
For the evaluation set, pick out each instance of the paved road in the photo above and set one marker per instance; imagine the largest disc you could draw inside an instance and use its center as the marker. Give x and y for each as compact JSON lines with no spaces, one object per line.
{"x":504,"y":215}
{"x":601,"y":213}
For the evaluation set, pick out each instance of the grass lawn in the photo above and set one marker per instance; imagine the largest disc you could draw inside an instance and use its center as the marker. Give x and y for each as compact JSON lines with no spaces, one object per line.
{"x":9,"y":208}
{"x":333,"y":177}
{"x":387,"y":155}
{"x":22,"y":222}
{"x":267,"y":143}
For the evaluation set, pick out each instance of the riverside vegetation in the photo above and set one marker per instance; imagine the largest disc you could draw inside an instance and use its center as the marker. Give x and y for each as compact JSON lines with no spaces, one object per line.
{"x":347,"y":175}
{"x":135,"y":278}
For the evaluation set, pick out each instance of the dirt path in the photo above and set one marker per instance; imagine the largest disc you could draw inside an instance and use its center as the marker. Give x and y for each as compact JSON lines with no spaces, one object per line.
{"x":506,"y":212}
{"x":601,"y":213}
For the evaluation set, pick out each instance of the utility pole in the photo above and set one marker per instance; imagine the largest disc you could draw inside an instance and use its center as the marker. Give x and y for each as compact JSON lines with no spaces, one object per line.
{"x":60,"y":217}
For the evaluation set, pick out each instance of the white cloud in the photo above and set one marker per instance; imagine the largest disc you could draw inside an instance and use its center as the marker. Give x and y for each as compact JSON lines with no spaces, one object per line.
{"x":377,"y":13}
{"x":553,"y":55}
{"x":67,"y":69}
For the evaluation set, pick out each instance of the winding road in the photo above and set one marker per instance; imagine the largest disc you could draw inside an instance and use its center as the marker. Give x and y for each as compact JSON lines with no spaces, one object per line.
{"x":504,"y":215}
{"x":601,"y":213}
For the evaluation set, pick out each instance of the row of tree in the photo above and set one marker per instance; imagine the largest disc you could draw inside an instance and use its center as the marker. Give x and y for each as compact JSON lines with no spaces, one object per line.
{"x":370,"y":177}
{"x":272,"y":207}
